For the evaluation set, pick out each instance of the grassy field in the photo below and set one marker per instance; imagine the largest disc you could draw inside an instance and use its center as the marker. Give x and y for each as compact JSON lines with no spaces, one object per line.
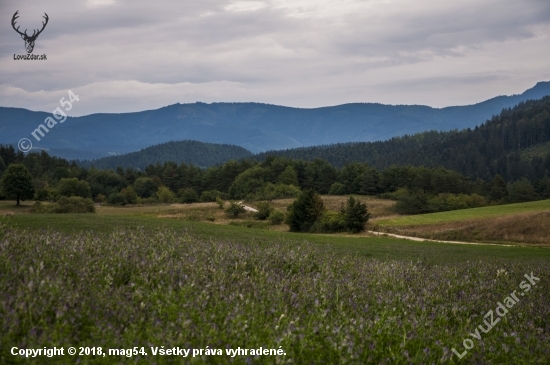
{"x":164,"y":276}
{"x":382,"y":248}
{"x":522,"y":223}
{"x":524,"y":228}
{"x":131,"y":283}
{"x":467,"y":214}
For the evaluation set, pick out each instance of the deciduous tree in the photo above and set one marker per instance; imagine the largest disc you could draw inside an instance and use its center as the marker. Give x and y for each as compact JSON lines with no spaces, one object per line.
{"x":17,"y":183}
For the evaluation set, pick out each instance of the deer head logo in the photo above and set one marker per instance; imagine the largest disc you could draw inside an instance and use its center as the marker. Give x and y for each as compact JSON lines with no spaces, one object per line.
{"x":29,"y":40}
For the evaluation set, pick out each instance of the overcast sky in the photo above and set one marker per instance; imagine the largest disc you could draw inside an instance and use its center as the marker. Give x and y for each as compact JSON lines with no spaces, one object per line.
{"x":131,"y":55}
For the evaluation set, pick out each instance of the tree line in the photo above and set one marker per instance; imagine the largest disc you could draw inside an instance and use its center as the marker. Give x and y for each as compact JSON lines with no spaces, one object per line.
{"x":418,"y":189}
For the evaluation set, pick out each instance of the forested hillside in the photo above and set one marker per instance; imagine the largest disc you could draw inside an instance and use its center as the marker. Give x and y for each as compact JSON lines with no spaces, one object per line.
{"x":254,"y":126}
{"x":190,"y":152}
{"x":513,"y":144}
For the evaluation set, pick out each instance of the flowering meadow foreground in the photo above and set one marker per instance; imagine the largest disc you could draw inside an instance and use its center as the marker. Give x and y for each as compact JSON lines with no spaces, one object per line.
{"x":151,"y":288}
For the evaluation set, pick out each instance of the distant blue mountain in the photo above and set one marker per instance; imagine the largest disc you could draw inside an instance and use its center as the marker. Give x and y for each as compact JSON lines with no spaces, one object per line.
{"x":256,"y":127}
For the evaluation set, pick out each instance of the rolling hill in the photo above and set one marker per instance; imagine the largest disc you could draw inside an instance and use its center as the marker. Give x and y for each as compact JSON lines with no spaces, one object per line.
{"x":189,"y":152}
{"x":256,"y":127}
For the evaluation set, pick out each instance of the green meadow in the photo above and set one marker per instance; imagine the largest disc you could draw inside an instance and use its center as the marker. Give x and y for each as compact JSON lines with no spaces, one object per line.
{"x":468,"y":214}
{"x":125,"y":278}
{"x":382,"y":248}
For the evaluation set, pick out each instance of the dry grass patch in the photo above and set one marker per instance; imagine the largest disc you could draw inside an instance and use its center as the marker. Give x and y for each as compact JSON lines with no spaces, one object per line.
{"x":280,"y":204}
{"x":133,"y":209}
{"x":157,"y":209}
{"x":200,"y":212}
{"x":527,"y":228}
{"x":211,"y":213}
{"x":378,"y":208}
{"x":9,"y":207}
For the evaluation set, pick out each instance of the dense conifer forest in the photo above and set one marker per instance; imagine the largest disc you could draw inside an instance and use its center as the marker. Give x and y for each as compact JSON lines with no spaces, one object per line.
{"x":502,"y":145}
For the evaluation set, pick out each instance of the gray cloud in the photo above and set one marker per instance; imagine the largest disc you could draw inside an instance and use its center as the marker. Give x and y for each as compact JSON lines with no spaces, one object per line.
{"x":131,"y":55}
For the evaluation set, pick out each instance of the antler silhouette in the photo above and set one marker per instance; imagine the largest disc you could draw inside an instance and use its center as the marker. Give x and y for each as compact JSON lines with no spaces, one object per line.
{"x":13,"y":19}
{"x":29,"y":40}
{"x":24,"y":34}
{"x":43,"y":26}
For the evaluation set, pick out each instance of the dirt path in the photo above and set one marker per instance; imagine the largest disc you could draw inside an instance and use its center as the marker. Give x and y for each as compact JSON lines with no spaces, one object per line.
{"x":247,"y":208}
{"x":250,"y":209}
{"x":441,"y":241}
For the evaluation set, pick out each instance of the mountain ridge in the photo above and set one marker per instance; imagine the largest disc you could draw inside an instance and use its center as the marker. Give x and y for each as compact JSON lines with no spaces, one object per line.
{"x":256,"y":127}
{"x":513,"y":144}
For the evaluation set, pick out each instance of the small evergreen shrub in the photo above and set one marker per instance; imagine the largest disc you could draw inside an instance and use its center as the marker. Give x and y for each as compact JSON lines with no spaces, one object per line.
{"x":330,"y":222}
{"x":165,"y":195}
{"x":304,"y":211}
{"x":276,"y":217}
{"x":264,"y":210}
{"x":73,"y":204}
{"x":355,"y":215}
{"x":188,"y":196}
{"x":220,"y":202}
{"x":117,"y":199}
{"x":130,"y":194}
{"x":337,"y":189}
{"x":235,"y":209}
